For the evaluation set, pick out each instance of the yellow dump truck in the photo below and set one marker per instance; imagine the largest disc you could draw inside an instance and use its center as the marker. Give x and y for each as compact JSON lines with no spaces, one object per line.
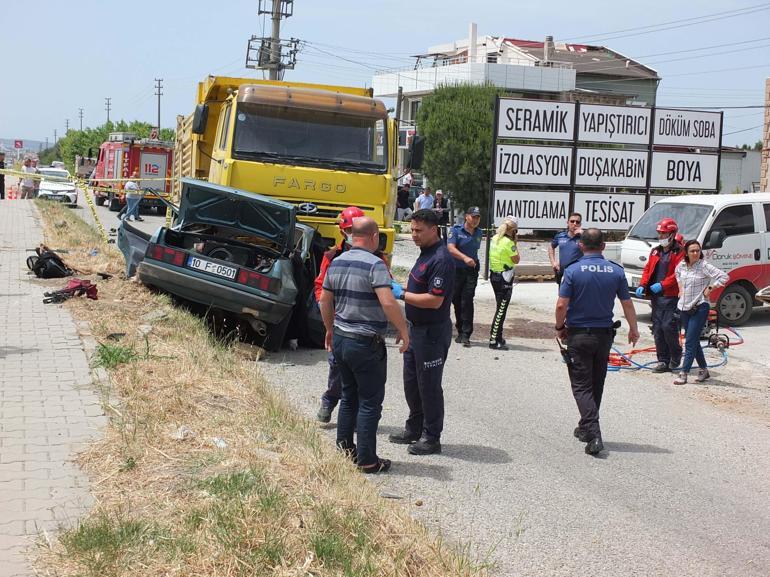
{"x":320,"y":148}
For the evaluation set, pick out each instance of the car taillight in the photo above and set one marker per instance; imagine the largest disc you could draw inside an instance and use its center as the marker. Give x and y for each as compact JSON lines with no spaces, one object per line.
{"x":258,"y":281}
{"x":165,"y":254}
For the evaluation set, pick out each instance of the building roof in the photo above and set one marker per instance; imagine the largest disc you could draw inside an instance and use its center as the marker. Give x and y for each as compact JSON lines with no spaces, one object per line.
{"x":587,"y":59}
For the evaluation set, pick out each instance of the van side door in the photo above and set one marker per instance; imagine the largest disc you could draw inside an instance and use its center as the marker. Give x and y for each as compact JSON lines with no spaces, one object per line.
{"x":734,"y":243}
{"x":765,"y":274}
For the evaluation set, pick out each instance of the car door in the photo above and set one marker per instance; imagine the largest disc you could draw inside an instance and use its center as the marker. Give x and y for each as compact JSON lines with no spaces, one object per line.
{"x":734,"y":243}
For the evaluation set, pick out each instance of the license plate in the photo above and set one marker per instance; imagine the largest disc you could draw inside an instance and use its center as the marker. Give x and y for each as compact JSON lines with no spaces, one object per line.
{"x":211,"y":267}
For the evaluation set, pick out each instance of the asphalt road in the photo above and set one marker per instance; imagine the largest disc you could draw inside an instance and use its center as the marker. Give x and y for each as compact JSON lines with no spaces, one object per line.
{"x":682,"y":489}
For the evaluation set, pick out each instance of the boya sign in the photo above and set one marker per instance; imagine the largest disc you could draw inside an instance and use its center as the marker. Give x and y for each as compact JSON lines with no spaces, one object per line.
{"x":684,"y":171}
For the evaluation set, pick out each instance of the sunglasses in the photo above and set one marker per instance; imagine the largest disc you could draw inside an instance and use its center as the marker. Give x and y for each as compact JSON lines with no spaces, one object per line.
{"x":574,"y":222}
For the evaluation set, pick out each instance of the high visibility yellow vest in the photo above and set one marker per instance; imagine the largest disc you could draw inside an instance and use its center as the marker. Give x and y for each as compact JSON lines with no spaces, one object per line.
{"x":500,"y":253}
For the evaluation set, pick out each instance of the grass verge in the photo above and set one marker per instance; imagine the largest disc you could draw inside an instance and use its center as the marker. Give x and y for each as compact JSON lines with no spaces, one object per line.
{"x":204,"y":469}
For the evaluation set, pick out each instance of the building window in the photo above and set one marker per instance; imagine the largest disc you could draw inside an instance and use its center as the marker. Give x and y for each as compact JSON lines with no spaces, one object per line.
{"x":492,"y":58}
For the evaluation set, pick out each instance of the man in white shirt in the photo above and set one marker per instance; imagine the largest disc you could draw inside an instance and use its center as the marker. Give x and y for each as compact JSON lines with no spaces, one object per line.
{"x":28,"y":184}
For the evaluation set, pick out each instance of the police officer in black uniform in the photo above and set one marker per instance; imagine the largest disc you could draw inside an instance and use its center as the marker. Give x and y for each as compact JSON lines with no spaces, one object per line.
{"x":428,"y":296}
{"x":584,"y":318}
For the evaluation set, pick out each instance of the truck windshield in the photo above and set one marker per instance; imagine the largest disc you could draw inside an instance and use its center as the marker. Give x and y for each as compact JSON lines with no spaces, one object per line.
{"x":309,"y":137}
{"x":689,"y":217}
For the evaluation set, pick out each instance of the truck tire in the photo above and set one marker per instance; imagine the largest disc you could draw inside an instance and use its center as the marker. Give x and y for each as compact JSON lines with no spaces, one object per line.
{"x":99,"y":200}
{"x":114,"y":203}
{"x":275,"y":334}
{"x":734,"y":306}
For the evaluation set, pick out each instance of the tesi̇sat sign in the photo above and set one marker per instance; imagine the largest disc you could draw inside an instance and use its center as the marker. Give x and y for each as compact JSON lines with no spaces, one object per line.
{"x":559,"y":153}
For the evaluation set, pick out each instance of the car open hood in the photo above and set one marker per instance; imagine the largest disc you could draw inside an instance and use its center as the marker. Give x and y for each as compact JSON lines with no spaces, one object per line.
{"x":211,"y":204}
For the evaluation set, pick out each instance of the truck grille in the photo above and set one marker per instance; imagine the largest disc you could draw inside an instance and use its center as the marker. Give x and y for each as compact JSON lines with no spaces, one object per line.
{"x":323,"y":211}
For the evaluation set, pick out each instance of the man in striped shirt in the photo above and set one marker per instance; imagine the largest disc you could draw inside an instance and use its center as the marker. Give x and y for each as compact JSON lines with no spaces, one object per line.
{"x":356,"y":304}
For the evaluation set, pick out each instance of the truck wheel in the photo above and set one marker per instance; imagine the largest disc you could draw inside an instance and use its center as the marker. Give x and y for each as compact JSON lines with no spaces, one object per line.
{"x":114,"y":203}
{"x":99,"y":200}
{"x":275,"y":334}
{"x":734,"y":306}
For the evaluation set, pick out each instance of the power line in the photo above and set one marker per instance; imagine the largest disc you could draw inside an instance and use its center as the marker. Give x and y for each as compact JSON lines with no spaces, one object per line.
{"x":692,"y":21}
{"x":744,"y":130}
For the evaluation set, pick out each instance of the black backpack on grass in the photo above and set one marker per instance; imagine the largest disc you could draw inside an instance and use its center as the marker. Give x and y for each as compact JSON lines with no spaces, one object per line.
{"x":48,"y":264}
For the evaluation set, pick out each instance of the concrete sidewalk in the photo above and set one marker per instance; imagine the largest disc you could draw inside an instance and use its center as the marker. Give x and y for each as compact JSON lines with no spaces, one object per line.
{"x":48,"y":409}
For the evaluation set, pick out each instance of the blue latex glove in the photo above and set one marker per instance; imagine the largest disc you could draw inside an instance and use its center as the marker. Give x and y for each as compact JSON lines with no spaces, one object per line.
{"x":640,"y":291}
{"x":398,"y":290}
{"x":656,"y":288}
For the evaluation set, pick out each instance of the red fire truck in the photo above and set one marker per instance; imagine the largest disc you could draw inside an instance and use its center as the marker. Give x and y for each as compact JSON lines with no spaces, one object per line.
{"x":120,"y":156}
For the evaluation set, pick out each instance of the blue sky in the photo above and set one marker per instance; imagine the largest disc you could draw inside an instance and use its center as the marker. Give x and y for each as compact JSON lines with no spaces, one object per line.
{"x":61,"y":56}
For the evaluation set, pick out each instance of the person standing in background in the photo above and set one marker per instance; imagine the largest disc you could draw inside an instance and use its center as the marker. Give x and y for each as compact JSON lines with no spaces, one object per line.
{"x":503,"y":257}
{"x":2,"y":176}
{"x":133,"y":197}
{"x":567,"y":243}
{"x":441,"y":206}
{"x":463,"y":243}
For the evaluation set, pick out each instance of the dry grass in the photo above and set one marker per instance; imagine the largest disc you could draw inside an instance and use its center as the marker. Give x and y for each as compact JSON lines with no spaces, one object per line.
{"x":253,"y":489}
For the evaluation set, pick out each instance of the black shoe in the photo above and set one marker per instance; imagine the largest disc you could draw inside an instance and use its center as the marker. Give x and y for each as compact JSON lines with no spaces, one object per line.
{"x":595,"y":446}
{"x":349,"y":451}
{"x":674,"y":364}
{"x":381,"y":466}
{"x":581,"y":435}
{"x":139,"y":218}
{"x":466,"y":341}
{"x":661,"y":368}
{"x":424,"y":447}
{"x":459,"y":339}
{"x":498,"y":346}
{"x":403,"y":438}
{"x":324,"y":414}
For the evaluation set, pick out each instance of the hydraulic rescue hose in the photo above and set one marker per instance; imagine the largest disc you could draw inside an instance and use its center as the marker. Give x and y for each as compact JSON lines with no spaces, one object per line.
{"x":623,"y":361}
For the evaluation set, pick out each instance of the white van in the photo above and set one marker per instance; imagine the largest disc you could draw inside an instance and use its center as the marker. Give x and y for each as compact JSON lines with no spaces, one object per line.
{"x":733,"y":231}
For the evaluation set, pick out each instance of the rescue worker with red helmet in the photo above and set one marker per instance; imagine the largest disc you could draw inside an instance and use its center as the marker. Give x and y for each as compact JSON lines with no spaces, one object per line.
{"x":333,"y":392}
{"x":659,"y":283}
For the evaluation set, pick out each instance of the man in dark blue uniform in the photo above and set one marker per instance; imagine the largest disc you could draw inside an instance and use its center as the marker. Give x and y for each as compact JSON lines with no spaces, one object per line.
{"x":584,"y":317}
{"x":427,"y":297}
{"x":567,"y":241}
{"x":463,"y":242}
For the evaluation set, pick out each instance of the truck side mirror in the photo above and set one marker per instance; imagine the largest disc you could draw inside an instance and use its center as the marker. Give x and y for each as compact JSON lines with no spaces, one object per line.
{"x":715,"y":239}
{"x":416,"y":152}
{"x":199,"y":119}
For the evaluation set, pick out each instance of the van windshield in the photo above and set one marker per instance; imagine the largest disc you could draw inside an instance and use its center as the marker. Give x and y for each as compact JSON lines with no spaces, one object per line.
{"x":689,"y":217}
{"x":287,"y":135}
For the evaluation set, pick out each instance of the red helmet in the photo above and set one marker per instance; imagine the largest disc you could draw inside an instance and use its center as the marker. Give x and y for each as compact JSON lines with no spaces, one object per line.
{"x":667,"y":225}
{"x":347,"y":216}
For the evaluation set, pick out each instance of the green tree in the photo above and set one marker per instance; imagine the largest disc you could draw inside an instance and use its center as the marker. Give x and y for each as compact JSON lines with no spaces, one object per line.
{"x":456,"y":122}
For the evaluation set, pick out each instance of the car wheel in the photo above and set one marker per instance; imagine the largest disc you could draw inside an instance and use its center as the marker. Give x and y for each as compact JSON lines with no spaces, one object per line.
{"x":275,"y":334}
{"x":114,"y":203}
{"x":734,"y":306}
{"x":99,"y":200}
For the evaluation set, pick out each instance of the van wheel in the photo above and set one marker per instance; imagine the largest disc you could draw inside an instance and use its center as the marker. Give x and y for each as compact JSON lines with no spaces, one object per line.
{"x":99,"y":200}
{"x":734,"y":306}
{"x":114,"y":203}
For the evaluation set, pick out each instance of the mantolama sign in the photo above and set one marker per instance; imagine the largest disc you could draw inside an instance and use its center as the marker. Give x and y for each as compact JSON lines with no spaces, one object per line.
{"x":579,"y":148}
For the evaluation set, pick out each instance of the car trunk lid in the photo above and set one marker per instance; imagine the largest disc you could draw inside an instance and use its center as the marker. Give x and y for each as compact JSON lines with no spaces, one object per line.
{"x":212,"y":204}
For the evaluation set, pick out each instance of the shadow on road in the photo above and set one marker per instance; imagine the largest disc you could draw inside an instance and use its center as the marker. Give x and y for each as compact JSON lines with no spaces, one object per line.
{"x":635,"y":448}
{"x":415,"y":469}
{"x":10,"y":351}
{"x":475,"y":453}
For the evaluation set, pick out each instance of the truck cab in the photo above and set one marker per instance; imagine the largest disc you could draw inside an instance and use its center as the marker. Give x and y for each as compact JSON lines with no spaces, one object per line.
{"x":318,"y":148}
{"x":733,"y":230}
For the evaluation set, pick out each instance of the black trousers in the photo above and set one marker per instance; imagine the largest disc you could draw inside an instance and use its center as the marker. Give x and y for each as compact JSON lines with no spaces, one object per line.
{"x":589,"y":353}
{"x":665,"y":329}
{"x":423,"y":371}
{"x":466,"y":279}
{"x":502,"y":291}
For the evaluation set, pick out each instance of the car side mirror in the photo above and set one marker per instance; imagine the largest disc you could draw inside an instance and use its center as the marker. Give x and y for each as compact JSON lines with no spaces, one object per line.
{"x":200,"y":117}
{"x":416,"y":152}
{"x":715,"y":239}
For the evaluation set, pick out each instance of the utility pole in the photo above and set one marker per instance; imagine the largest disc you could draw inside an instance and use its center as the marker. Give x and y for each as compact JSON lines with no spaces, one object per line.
{"x":267,"y":53}
{"x":107,"y":107}
{"x":158,"y":93}
{"x":55,"y":139}
{"x":275,"y":41}
{"x":80,"y":114}
{"x":46,"y":143}
{"x":66,"y":126}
